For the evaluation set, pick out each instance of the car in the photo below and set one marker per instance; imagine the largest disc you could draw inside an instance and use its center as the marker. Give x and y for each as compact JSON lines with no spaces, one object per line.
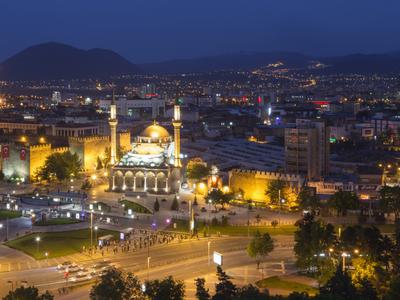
{"x":65,"y":264}
{"x":80,"y":277}
{"x":73,"y":269}
{"x":203,"y":209}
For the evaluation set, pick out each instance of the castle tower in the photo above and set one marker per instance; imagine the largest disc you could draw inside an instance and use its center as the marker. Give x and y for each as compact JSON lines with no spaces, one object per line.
{"x":113,"y":129}
{"x":176,"y":122}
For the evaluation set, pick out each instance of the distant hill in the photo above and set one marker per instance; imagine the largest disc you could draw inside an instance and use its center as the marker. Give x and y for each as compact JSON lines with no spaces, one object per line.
{"x":355,"y":63}
{"x":59,"y":61}
{"x":238,"y":61}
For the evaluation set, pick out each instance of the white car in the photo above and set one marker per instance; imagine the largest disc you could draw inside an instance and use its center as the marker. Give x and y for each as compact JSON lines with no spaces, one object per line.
{"x":80,"y":277}
{"x":65,"y":265}
{"x":73,"y":269}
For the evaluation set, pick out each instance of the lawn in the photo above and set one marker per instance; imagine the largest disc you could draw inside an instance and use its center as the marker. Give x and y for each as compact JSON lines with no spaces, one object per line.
{"x":279,"y":283}
{"x":56,"y":243}
{"x":57,"y":221}
{"x":183,"y":226}
{"x":135,"y":207}
{"x":10,"y":214}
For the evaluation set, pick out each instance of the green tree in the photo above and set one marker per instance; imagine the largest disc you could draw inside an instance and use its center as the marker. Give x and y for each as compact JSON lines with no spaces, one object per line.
{"x":342,"y":201}
{"x":175,"y":204}
{"x":133,"y":288}
{"x":276,"y":188}
{"x":224,"y":289}
{"x":60,"y":166}
{"x":340,"y":287}
{"x":195,"y":200}
{"x":217,"y":197}
{"x":99,"y":164}
{"x":167,"y":288}
{"x":27,"y":293}
{"x":260,"y":246}
{"x":364,"y":269}
{"x":366,"y":291}
{"x":201,"y":292}
{"x":390,"y":200}
{"x":111,"y":285}
{"x":311,"y":239}
{"x":86,"y":185}
{"x":197,"y":171}
{"x":248,"y":292}
{"x":394,"y":289}
{"x":156,"y":205}
{"x":308,"y":199}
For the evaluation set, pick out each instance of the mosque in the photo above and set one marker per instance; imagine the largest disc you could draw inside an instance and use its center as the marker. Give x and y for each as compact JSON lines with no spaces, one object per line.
{"x":153,"y":164}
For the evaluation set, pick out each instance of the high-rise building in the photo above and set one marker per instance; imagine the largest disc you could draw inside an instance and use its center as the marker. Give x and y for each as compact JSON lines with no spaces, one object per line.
{"x":307,"y":149}
{"x":56,"y":97}
{"x":148,"y":91}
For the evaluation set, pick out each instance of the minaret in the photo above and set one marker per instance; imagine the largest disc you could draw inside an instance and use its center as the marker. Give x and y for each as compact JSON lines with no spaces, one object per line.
{"x":177,"y":135}
{"x":113,"y":129}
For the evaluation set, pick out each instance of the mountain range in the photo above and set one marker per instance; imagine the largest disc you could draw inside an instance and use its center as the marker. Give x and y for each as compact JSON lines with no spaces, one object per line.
{"x":60,"y":61}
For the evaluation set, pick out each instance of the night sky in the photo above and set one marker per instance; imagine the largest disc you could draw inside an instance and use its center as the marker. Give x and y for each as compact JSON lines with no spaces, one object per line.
{"x":154,"y":30}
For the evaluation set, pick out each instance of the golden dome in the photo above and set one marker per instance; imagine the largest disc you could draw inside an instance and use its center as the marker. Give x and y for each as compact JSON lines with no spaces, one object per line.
{"x":155,"y":132}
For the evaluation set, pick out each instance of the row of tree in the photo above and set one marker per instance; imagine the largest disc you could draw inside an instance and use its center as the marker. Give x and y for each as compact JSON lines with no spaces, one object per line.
{"x":374,"y":258}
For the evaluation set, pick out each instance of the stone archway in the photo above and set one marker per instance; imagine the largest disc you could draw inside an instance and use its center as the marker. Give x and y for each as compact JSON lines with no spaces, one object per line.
{"x":139,"y":180}
{"x":161,"y":181}
{"x":150,"y":181}
{"x":129,"y":180}
{"x":118,"y":180}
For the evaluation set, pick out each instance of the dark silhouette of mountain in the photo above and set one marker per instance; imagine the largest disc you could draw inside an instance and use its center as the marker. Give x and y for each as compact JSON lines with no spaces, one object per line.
{"x":239,"y":61}
{"x":363,"y":63}
{"x":355,"y":63}
{"x":59,"y":61}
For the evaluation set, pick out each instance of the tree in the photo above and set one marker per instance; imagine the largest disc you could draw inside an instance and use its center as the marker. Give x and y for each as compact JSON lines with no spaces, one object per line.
{"x":275,"y":188}
{"x":364,"y":269}
{"x":156,"y":206}
{"x":366,"y":291}
{"x":224,"y":289}
{"x":197,"y":171}
{"x":175,"y":204}
{"x":394,"y":289}
{"x":260,"y":246}
{"x":248,"y":292}
{"x":133,"y":288}
{"x":308,"y":199}
{"x":107,"y":155}
{"x":342,"y":201}
{"x":311,"y":239}
{"x":195,"y":200}
{"x":27,"y":293}
{"x":112,"y":285}
{"x":60,"y":166}
{"x":390,"y":200}
{"x":99,"y":163}
{"x":340,"y":287}
{"x":217,"y":197}
{"x":167,"y":288}
{"x":201,"y":292}
{"x":86,"y":185}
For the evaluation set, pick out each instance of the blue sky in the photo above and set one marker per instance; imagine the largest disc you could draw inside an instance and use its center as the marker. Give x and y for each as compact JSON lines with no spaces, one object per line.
{"x":155,"y":30}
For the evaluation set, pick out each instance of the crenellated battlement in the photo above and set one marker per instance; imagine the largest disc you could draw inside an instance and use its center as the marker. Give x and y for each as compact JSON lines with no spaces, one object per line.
{"x":84,"y":139}
{"x":277,"y":175}
{"x":39,"y":147}
{"x":60,"y":149}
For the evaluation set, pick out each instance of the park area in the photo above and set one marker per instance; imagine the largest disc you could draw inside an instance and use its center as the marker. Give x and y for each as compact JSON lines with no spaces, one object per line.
{"x":9,"y":214}
{"x":56,"y":244}
{"x":56,"y":221}
{"x":135,"y":207}
{"x":183,"y":226}
{"x":288,"y":283}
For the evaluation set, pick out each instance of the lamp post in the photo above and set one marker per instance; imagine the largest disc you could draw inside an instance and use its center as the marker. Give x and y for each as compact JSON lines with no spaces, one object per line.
{"x":344,"y":255}
{"x":95,"y":233}
{"x":37,"y":243}
{"x":208,"y":252}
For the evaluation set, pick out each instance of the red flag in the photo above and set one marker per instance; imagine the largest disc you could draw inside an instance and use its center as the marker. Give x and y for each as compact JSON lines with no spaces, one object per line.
{"x":22,"y":154}
{"x":5,"y":151}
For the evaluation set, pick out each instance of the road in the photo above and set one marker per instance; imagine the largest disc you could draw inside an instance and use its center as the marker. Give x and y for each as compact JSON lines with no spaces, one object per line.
{"x":184,"y":261}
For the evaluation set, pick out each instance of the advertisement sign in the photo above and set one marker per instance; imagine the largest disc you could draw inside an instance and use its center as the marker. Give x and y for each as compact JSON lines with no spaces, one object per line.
{"x":217,"y":258}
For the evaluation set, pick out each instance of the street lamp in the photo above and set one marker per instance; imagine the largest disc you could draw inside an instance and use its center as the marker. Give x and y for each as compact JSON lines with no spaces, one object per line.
{"x":37,"y":243}
{"x":344,"y":255}
{"x":95,"y":233}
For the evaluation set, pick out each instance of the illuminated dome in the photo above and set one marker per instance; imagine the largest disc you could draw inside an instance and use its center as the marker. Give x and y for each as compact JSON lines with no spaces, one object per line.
{"x":155,"y":132}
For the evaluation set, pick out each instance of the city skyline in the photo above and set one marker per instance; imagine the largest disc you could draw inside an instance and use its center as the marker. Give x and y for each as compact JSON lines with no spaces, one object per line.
{"x":138,"y":30}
